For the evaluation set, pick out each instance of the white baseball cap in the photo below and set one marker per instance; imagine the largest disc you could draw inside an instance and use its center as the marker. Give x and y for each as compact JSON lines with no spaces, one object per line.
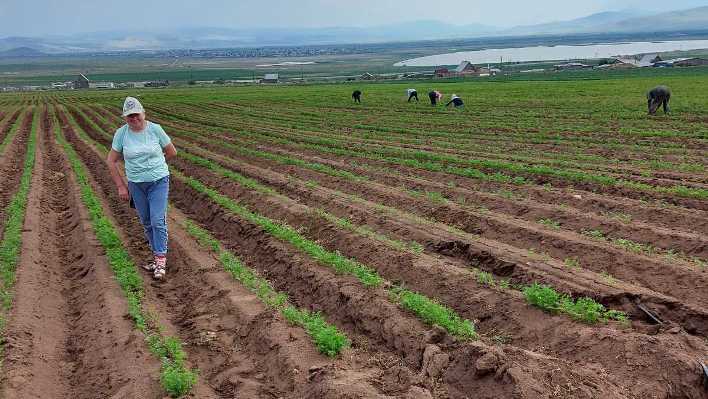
{"x":132,"y":106}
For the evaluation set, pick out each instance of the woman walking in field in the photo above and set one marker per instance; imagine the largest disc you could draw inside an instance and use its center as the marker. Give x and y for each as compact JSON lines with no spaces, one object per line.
{"x":144,"y":146}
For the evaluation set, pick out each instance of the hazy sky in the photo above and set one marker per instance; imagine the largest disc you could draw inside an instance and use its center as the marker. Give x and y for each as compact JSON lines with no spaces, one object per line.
{"x":42,"y":17}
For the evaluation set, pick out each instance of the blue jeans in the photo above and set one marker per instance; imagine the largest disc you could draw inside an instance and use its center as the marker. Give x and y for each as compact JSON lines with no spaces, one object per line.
{"x":150,"y":200}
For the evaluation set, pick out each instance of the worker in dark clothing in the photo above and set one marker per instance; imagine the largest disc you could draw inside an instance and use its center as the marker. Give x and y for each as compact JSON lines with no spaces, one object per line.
{"x":356,"y":96}
{"x":434,"y":96}
{"x":457,"y":101}
{"x":412,"y":93}
{"x":658,"y":96}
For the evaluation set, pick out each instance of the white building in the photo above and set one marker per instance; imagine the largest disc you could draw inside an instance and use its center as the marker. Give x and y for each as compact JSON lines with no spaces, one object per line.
{"x":102,"y":85}
{"x":270,"y":78}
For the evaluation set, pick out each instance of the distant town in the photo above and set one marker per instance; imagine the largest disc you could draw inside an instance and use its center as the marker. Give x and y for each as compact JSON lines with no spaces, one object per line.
{"x":464,"y":69}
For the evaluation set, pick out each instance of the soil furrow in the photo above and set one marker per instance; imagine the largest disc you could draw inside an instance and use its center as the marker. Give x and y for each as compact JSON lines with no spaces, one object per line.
{"x":241,"y":347}
{"x":500,"y":259}
{"x":466,"y":296}
{"x":562,"y":182}
{"x":11,"y":164}
{"x":684,"y":282}
{"x":691,"y":244}
{"x":664,"y":215}
{"x":570,"y":218}
{"x":373,"y":317}
{"x":353,"y":308}
{"x":6,"y":124}
{"x":73,"y":340}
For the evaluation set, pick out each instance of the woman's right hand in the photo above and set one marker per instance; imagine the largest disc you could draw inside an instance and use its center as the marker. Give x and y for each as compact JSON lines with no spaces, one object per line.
{"x":123,"y":193}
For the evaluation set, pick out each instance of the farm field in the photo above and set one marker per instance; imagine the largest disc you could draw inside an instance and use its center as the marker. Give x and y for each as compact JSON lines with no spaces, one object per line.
{"x":549,"y":240}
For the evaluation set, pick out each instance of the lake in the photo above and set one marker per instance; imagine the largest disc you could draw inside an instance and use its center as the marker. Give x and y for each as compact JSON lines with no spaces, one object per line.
{"x":554,"y":53}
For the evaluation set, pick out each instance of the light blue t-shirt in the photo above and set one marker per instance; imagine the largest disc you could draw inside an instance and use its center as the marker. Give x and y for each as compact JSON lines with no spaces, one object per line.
{"x":142,"y":152}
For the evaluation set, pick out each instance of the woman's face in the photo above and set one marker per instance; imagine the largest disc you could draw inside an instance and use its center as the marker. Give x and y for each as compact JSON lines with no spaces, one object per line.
{"x":136,"y":122}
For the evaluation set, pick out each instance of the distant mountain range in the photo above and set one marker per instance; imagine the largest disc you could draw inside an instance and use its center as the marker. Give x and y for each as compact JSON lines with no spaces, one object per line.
{"x":590,"y":24}
{"x":675,"y":20}
{"x":208,"y":38}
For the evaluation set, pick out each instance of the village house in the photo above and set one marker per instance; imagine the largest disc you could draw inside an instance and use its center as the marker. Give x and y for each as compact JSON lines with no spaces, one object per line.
{"x":81,"y":82}
{"x":62,"y":85}
{"x":682,"y":62}
{"x":156,"y":83}
{"x":270,"y":78}
{"x":571,"y":66}
{"x":441,"y":72}
{"x":102,"y":85}
{"x":465,"y":68}
{"x":646,"y":60}
{"x":135,"y":84}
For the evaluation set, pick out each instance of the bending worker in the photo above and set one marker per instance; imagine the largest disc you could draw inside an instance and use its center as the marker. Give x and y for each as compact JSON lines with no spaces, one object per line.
{"x":457,"y":101}
{"x":434,"y":96}
{"x":412,"y":93}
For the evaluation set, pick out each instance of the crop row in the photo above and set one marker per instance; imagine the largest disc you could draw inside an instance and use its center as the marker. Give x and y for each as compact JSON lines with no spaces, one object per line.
{"x":12,"y":237}
{"x":427,"y":309}
{"x":348,"y":175}
{"x":586,"y":303}
{"x":175,"y":377}
{"x":559,"y":303}
{"x":198,"y":161}
{"x":470,"y":137}
{"x":474,"y":168}
{"x":227,"y":174}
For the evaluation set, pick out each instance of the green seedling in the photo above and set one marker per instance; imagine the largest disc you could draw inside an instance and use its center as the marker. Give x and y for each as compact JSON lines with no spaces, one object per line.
{"x":436,"y":197}
{"x":550,"y":223}
{"x":485,"y":278}
{"x":572,"y":263}
{"x":583,"y":309}
{"x":608,"y":277}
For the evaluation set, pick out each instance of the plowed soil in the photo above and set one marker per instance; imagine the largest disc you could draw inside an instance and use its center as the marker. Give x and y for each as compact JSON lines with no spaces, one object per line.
{"x":639,"y":251}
